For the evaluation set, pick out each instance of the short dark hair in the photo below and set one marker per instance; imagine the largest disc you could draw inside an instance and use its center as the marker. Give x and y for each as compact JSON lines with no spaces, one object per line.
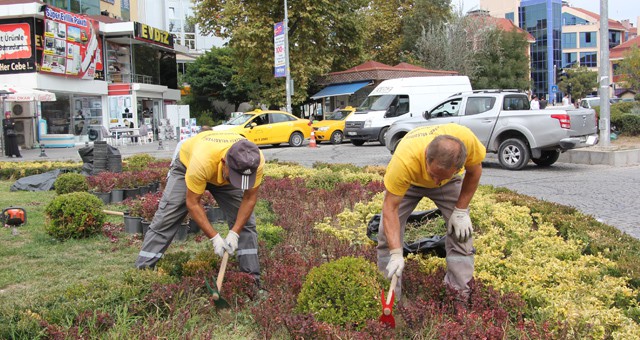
{"x":448,"y":150}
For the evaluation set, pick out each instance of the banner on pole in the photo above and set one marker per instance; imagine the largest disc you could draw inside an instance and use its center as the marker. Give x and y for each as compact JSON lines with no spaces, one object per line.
{"x":278,"y":48}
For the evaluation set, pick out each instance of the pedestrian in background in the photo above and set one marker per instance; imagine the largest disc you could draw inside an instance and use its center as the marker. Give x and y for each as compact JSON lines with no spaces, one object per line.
{"x":543,"y":103}
{"x":10,"y":138}
{"x":535,"y":104}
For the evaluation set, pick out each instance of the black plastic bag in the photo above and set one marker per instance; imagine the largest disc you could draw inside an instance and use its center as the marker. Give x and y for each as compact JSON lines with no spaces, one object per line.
{"x":426,"y":245}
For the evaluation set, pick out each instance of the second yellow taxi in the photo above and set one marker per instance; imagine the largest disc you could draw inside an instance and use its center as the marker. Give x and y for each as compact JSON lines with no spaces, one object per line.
{"x":332,"y":128}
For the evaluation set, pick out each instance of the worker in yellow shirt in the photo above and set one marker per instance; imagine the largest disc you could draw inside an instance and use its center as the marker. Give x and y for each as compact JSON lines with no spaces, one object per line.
{"x":231,"y":168}
{"x":443,"y":163}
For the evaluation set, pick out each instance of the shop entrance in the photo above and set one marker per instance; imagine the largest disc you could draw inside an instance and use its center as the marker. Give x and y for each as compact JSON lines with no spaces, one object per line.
{"x":150,"y":112}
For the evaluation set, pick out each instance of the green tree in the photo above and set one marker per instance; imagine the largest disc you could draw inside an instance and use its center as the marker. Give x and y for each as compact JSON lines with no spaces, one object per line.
{"x":629,"y":68}
{"x":582,"y":81}
{"x":322,"y":35}
{"x":503,"y":62}
{"x":423,"y":13}
{"x":383,"y":34}
{"x":450,"y":46}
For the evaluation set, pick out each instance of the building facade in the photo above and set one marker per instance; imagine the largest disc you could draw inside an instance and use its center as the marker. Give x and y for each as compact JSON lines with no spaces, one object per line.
{"x":103,"y":71}
{"x":171,"y":16}
{"x":565,"y":35}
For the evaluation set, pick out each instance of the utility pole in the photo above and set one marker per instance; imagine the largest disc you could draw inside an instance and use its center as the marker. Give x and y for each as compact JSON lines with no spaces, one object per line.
{"x":605,"y":80}
{"x":286,"y":57}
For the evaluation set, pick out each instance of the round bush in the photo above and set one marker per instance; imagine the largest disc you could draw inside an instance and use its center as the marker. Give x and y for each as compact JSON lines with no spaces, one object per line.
{"x":139,"y":162}
{"x":343,"y":292}
{"x":70,"y":182}
{"x":74,"y":215}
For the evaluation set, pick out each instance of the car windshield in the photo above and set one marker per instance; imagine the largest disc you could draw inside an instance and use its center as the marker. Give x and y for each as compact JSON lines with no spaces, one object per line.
{"x":339,"y":115}
{"x":376,"y":103}
{"x":240,"y":119}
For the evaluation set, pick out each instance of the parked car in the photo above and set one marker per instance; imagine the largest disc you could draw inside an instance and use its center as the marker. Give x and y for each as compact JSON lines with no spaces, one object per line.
{"x":269,"y":127}
{"x":332,"y":128}
{"x":590,"y":102}
{"x":503,"y":122}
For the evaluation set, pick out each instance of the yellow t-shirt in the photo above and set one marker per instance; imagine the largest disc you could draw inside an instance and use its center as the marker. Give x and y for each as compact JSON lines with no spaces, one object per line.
{"x":202,"y":154}
{"x":408,"y":164}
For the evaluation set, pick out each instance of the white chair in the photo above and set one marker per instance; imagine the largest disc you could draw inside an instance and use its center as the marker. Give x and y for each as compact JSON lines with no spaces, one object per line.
{"x":144,"y":134}
{"x":106,"y":136}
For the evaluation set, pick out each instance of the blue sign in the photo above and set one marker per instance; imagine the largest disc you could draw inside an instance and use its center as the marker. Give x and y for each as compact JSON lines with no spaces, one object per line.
{"x":554,"y":88}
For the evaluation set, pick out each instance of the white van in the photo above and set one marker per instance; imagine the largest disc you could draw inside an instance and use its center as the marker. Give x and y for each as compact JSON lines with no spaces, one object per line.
{"x":396,"y":99}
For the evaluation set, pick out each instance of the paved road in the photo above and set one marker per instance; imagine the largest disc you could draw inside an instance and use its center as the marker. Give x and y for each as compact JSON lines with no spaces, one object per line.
{"x":608,"y":193}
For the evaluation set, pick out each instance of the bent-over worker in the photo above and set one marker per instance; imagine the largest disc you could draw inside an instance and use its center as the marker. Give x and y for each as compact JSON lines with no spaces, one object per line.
{"x":231,"y":168}
{"x":443,"y":163}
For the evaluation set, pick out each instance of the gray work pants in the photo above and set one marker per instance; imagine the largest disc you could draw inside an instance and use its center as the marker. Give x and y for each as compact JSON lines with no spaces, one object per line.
{"x":172,"y":209}
{"x":459,"y":254}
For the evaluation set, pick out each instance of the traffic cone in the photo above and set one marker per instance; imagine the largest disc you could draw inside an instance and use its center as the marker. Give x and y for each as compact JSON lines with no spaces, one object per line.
{"x":312,"y":141}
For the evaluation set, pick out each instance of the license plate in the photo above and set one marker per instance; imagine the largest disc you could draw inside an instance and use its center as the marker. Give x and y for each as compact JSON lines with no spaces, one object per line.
{"x":591,"y":140}
{"x":351,"y":133}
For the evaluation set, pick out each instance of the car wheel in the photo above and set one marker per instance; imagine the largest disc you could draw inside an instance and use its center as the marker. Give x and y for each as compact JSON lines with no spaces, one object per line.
{"x":547,"y":158}
{"x":383,"y":133}
{"x":337,"y":137}
{"x":357,"y":142}
{"x":296,"y":139}
{"x":513,"y":154}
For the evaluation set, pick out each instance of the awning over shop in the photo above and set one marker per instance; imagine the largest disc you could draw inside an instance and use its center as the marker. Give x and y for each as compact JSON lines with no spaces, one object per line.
{"x":340,"y":90}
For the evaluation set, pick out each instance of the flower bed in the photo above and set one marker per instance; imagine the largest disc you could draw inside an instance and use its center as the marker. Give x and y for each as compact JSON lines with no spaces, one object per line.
{"x":542,"y":272}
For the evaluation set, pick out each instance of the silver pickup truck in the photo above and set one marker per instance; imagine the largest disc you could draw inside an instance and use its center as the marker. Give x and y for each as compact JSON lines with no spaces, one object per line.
{"x":503,"y":122}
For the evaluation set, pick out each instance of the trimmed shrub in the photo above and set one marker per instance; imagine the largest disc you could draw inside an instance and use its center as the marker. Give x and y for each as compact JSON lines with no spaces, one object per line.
{"x":173,"y":263}
{"x":74,"y":215}
{"x":344,"y":292}
{"x":629,"y":124}
{"x":70,"y":182}
{"x":139,"y":162}
{"x":271,"y":234}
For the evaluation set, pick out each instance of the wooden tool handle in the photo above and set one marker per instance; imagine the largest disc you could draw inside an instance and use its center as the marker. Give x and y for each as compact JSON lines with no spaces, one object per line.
{"x":223,"y":268}
{"x":116,"y":213}
{"x":392,"y":288}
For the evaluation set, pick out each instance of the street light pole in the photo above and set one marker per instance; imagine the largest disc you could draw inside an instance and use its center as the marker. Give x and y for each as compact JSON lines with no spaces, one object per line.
{"x":286,"y":57}
{"x":605,"y":81}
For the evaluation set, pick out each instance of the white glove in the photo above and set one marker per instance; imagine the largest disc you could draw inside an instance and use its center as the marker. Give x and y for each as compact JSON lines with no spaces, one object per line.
{"x":396,"y":263}
{"x":231,"y":241}
{"x":460,"y":224}
{"x":219,"y":246}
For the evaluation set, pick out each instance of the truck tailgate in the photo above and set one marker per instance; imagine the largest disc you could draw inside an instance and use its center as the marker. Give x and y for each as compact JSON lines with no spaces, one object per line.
{"x":583,"y":122}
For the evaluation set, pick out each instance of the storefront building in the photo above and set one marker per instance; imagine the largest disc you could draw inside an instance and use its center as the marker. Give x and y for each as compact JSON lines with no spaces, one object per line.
{"x":105,"y":73}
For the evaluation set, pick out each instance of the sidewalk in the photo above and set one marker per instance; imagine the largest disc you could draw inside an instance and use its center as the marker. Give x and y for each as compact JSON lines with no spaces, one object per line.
{"x":71,"y":154}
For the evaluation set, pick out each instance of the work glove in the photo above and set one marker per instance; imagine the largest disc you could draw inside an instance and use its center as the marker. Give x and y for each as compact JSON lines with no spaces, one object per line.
{"x":459,"y":225}
{"x":396,"y":263}
{"x":219,"y":246}
{"x":231,"y":241}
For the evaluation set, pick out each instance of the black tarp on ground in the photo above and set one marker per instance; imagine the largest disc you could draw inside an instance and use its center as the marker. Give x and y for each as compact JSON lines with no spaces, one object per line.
{"x":41,"y":182}
{"x":426,"y":245}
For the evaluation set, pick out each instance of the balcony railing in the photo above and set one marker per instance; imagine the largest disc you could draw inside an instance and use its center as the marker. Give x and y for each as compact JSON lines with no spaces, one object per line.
{"x":132,"y":78}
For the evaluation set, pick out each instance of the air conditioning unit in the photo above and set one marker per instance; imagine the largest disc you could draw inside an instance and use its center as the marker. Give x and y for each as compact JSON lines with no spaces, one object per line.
{"x":21,"y":112}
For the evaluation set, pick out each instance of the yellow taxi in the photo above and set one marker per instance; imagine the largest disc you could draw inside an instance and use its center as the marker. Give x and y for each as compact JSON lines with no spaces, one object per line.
{"x":332,"y":128}
{"x":269,"y":127}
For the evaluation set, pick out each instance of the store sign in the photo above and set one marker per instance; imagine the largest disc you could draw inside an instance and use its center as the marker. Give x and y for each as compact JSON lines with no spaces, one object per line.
{"x":153,"y":35}
{"x":17,"y":48}
{"x":72,"y":46}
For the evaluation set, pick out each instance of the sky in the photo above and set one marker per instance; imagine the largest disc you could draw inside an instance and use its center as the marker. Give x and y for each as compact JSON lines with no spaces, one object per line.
{"x":618,"y":9}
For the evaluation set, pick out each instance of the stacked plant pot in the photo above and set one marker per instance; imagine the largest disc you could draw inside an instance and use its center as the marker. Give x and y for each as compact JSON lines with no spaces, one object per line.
{"x":99,"y":157}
